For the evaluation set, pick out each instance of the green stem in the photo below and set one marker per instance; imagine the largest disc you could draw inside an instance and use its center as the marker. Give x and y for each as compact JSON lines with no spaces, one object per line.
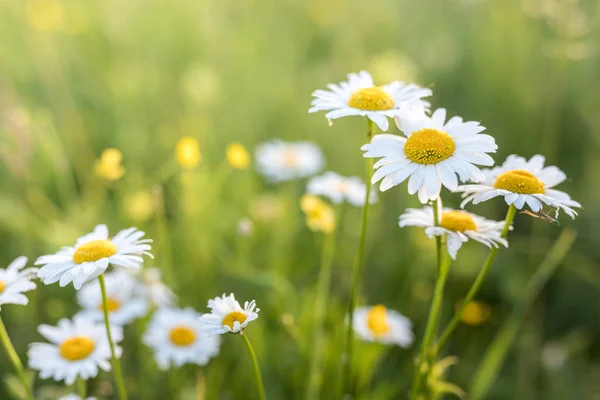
{"x":200,"y":385}
{"x":510,"y":215}
{"x":81,"y":388}
{"x":115,"y":361}
{"x":432,"y":320}
{"x":359,"y":261}
{"x":438,"y":238}
{"x":257,"y":377}
{"x":14,"y":358}
{"x":315,"y":373}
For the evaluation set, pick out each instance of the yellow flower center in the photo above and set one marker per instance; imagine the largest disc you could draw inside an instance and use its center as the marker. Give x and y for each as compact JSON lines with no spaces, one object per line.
{"x":76,"y":348}
{"x":111,"y":303}
{"x":371,"y":99}
{"x":340,"y":187}
{"x":290,"y":159}
{"x":94,"y":251}
{"x":377,"y":320}
{"x":2,"y":286}
{"x":519,"y":181}
{"x":429,"y":146}
{"x":232,"y":317}
{"x":458,"y":221}
{"x":475,"y":313}
{"x":182,"y":336}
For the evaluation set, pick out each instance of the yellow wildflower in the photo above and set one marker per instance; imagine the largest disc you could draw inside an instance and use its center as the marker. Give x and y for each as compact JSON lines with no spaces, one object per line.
{"x":188,"y":152}
{"x":45,"y":15}
{"x":109,"y":165}
{"x":319,"y":215}
{"x":475,"y":313}
{"x":237,"y":156}
{"x":139,"y":206}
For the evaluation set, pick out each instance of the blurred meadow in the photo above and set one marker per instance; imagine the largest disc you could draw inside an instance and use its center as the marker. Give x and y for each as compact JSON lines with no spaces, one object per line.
{"x":77,"y":78}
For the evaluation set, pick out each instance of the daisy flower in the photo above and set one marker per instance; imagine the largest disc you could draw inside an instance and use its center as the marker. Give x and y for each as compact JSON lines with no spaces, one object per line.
{"x":14,"y":281}
{"x":227,"y":315}
{"x":359,"y":96}
{"x":522,"y":182}
{"x":380,"y":324}
{"x":75,"y":397}
{"x":459,"y":226}
{"x":432,"y":154}
{"x":177,"y":338}
{"x":282,"y":161}
{"x":92,"y":254}
{"x":125,"y":303}
{"x":338,"y":189}
{"x":77,"y":348}
{"x":153,"y":288}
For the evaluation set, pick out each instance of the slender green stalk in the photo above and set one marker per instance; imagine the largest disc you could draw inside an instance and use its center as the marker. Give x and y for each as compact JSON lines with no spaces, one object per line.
{"x":200,"y":385}
{"x":510,"y":215}
{"x":359,"y":262}
{"x":257,"y":377}
{"x":81,"y":388}
{"x":115,"y":361}
{"x":14,"y":358}
{"x":438,"y":238}
{"x":432,"y":320}
{"x":322,"y":296}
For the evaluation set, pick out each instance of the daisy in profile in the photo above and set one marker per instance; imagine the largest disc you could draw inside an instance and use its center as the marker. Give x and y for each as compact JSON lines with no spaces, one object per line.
{"x":14,"y":281}
{"x":459,"y":226}
{"x":92,"y":254}
{"x":359,"y":96}
{"x":338,"y":189}
{"x":177,"y":338}
{"x":227,"y":316}
{"x":522,"y":182}
{"x":282,"y":161}
{"x":380,"y":324}
{"x":124,"y":300}
{"x":154,"y":289}
{"x":432,"y":154}
{"x":77,"y":348}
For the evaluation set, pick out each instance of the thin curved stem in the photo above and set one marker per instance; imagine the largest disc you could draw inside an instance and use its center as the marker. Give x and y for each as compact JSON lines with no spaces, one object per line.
{"x":115,"y":361}
{"x":81,"y":388}
{"x":359,"y":262}
{"x":257,"y":377}
{"x":510,"y":215}
{"x":14,"y":358}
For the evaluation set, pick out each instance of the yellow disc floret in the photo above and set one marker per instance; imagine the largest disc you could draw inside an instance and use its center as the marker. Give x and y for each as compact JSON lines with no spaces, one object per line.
{"x":76,"y":348}
{"x":371,"y":99}
{"x":429,"y":146}
{"x":458,"y":221}
{"x":111,"y":303}
{"x":377,"y":320}
{"x":232,"y":317}
{"x":94,"y":251}
{"x":2,"y":286}
{"x":182,"y":336}
{"x":519,"y":181}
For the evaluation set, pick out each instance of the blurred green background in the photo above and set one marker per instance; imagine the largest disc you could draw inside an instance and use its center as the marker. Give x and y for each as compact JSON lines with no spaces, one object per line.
{"x":79,"y":77}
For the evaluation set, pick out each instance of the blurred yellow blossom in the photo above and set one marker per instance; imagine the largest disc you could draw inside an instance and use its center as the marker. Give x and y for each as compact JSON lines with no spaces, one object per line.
{"x":237,"y":156}
{"x":139,"y":206}
{"x":188,"y":152}
{"x":393,"y":66}
{"x":319,"y":215}
{"x":109,"y":165}
{"x":44,"y":15}
{"x":475,"y":313}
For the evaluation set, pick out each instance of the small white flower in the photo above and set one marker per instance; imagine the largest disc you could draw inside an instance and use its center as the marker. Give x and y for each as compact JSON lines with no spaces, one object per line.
{"x":245,"y":227}
{"x":282,"y":161}
{"x":380,"y":324}
{"x":92,"y":254}
{"x":433,"y":154}
{"x":77,"y":348}
{"x":460,"y":226}
{"x":338,"y":189}
{"x":75,"y":397}
{"x":227,"y":315}
{"x":522,"y":182}
{"x":153,"y":288}
{"x":125,"y":302}
{"x":14,"y":281}
{"x":177,"y":338}
{"x":359,"y":96}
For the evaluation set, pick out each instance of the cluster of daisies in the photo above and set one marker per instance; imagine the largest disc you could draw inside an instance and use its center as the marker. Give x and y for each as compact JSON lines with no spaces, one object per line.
{"x":78,"y":348}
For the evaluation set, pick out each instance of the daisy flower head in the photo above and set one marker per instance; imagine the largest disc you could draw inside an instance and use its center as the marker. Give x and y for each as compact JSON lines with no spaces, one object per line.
{"x":77,"y":348}
{"x":521,"y":181}
{"x":359,"y":96}
{"x":228,"y":316}
{"x":380,"y":324}
{"x":75,"y":397}
{"x":432,"y":154}
{"x":14,"y":281}
{"x":281,"y":161}
{"x":459,"y":226}
{"x":177,"y":338}
{"x":154,"y":289}
{"x":92,"y":254}
{"x":338,"y":189}
{"x":124,"y":299}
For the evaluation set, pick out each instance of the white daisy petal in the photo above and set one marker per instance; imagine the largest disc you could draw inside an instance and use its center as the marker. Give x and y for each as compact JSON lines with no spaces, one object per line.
{"x":16,"y":280}
{"x":382,"y":325}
